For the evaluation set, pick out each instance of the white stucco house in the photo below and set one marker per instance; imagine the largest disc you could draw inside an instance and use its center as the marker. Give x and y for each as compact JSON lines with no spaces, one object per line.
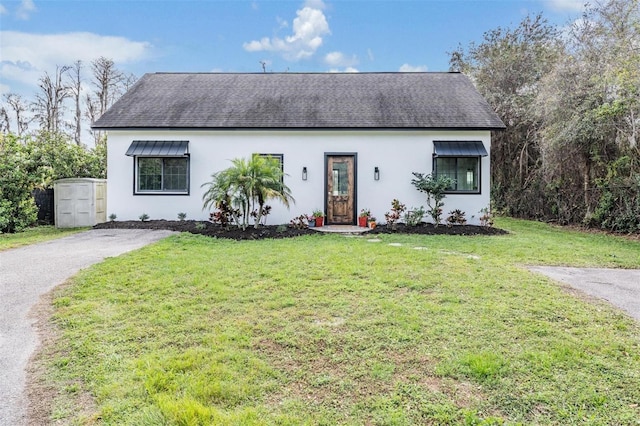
{"x":346,"y":141}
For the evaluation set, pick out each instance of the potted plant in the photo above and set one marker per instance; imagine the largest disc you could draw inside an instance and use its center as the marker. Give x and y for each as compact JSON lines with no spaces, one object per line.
{"x":311,"y":221}
{"x":363,"y":218}
{"x":372,"y":222}
{"x":319,"y":216}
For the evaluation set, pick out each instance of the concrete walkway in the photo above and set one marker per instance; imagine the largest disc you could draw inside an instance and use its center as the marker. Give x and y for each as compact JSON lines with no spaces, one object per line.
{"x":27,"y":273}
{"x":620,"y":287}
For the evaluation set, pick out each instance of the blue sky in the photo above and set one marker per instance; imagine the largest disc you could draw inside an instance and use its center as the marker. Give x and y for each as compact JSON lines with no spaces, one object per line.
{"x":236,"y":36}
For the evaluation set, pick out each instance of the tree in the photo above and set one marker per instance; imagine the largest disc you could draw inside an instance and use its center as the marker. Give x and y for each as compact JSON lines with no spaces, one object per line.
{"x":247,"y":185}
{"x":507,"y":68}
{"x":109,"y":84}
{"x":591,"y":108}
{"x":18,"y":108}
{"x":48,"y":106}
{"x":75,"y":88}
{"x":107,"y":79}
{"x":5,"y":123}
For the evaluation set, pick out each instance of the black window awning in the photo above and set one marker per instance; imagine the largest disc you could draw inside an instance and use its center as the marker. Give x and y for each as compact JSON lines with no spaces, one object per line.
{"x":459,"y":149}
{"x":158,"y":148}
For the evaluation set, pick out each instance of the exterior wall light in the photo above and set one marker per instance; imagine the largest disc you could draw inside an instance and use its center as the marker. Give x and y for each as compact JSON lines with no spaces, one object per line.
{"x":376,"y":173}
{"x":304,"y":173}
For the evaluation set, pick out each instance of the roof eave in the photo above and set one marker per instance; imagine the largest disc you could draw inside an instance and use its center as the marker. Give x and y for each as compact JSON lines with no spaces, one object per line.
{"x":467,"y":128}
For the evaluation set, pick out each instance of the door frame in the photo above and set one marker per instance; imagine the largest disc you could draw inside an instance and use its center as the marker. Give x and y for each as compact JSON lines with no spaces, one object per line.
{"x":354,"y":155}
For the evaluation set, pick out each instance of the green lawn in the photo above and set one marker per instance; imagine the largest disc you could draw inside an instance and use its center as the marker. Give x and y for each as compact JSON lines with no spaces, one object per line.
{"x":325,"y":330}
{"x":34,"y":235}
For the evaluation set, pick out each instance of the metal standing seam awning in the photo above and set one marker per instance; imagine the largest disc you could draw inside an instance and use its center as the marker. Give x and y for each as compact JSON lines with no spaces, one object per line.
{"x":158,"y":148}
{"x":459,"y":149}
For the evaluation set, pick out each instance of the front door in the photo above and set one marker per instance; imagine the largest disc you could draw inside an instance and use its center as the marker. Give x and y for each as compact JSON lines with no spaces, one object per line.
{"x":340,"y":189}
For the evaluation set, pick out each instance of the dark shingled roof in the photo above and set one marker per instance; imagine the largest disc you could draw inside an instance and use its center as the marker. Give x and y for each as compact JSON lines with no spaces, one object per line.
{"x":302,"y":101}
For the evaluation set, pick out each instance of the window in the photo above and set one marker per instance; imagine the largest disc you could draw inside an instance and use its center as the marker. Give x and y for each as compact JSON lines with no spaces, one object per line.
{"x":160,"y":167}
{"x":162,"y":174}
{"x":463,"y":170}
{"x":459,"y":161}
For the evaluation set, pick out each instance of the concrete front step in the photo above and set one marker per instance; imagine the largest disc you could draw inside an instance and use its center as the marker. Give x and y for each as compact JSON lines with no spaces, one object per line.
{"x":341,"y":229}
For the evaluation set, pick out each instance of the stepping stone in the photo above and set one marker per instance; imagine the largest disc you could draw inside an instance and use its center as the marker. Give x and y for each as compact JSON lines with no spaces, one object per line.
{"x":374,"y":240}
{"x":395,"y":244}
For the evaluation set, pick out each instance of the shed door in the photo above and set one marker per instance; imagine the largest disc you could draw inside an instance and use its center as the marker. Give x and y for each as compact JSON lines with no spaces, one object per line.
{"x":340,"y":189}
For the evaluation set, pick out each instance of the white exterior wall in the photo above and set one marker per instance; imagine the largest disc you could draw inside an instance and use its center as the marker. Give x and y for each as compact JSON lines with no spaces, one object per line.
{"x":396,"y":153}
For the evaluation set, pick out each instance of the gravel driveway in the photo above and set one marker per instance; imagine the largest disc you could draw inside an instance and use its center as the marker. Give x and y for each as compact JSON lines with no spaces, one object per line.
{"x":27,"y":273}
{"x":620,"y":287}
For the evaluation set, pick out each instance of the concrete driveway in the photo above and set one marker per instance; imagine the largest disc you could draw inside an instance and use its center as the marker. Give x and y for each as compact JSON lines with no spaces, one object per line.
{"x":27,"y":273}
{"x":620,"y":287}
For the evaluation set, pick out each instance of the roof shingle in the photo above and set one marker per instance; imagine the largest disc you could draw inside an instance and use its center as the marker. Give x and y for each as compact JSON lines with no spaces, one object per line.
{"x":305,"y":100}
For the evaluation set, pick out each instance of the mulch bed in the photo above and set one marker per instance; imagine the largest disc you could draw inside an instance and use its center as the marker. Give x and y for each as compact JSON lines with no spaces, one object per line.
{"x":279,"y":231}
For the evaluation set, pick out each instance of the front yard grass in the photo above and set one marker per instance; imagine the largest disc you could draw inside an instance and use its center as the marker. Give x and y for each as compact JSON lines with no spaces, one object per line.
{"x":37,"y":234}
{"x":333,"y":330}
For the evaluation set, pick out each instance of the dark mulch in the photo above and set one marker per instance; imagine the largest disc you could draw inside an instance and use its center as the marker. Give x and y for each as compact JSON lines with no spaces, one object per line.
{"x":429,"y":229}
{"x":281,"y":231}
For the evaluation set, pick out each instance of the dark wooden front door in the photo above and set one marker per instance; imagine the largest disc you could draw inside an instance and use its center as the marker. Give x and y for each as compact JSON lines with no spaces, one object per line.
{"x":340,"y":189}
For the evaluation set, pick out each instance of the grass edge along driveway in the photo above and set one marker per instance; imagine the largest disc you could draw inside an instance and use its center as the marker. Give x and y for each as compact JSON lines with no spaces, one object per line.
{"x":335,"y":330}
{"x":35,"y":235}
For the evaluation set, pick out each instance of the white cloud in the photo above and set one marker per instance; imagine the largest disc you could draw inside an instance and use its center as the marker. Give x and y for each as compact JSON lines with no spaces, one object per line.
{"x":566,"y":5}
{"x":25,"y":56}
{"x":3,"y":10}
{"x":25,"y":9}
{"x":413,"y":68}
{"x":309,"y":26}
{"x":347,"y":69}
{"x":44,"y":50}
{"x":338,"y":59}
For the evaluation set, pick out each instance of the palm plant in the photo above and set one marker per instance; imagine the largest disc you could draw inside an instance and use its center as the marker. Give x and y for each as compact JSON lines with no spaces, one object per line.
{"x":247,"y":185}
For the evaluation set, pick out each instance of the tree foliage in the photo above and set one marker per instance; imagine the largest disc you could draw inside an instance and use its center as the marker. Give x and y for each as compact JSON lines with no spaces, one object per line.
{"x":247,"y":185}
{"x":435,"y":188}
{"x":571,"y":102}
{"x":17,"y":206}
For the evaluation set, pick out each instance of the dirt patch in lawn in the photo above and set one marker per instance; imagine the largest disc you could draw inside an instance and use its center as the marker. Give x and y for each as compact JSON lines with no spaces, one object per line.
{"x":284,"y":231}
{"x":40,"y":389}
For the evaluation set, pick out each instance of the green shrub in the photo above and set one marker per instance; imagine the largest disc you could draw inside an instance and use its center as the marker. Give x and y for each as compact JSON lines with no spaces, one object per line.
{"x":17,"y":207}
{"x":414,"y":216}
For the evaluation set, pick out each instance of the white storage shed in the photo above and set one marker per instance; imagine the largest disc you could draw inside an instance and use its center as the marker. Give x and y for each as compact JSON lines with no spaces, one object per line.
{"x":80,"y":202}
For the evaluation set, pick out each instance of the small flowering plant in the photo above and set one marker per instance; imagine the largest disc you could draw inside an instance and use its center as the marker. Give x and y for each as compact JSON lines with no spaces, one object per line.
{"x":392,"y":217}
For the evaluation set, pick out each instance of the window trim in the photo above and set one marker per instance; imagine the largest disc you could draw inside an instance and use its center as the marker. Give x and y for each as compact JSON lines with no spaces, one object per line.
{"x":136,"y":176}
{"x":479,"y":171}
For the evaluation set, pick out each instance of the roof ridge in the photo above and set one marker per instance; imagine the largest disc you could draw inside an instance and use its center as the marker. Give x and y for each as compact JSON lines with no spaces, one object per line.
{"x":301,"y":73}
